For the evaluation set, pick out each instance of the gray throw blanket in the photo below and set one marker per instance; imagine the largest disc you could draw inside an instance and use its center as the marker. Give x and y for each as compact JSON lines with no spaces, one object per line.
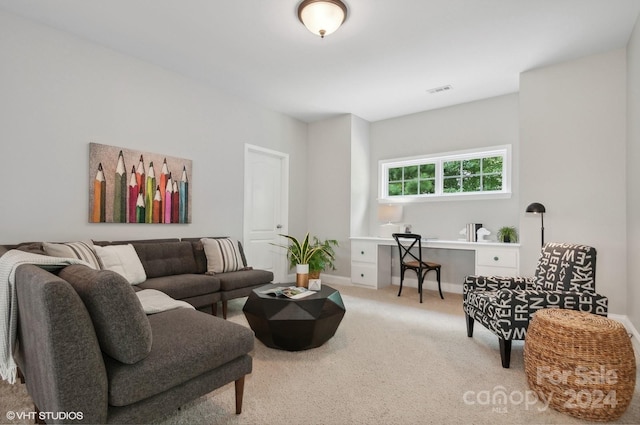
{"x":9,"y":303}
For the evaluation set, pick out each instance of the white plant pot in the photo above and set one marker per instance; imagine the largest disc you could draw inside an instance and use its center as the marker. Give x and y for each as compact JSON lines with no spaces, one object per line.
{"x":302,"y":275}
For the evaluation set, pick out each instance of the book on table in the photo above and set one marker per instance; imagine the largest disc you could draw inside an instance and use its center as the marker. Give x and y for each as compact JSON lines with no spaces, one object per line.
{"x":293,"y":292}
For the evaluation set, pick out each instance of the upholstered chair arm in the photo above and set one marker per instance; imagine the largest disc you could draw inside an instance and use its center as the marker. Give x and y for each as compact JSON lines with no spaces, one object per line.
{"x":515,"y":308}
{"x":494,"y":283}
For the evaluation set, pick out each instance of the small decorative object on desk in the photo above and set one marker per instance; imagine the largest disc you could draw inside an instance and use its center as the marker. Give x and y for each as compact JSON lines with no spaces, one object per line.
{"x":508,"y":234}
{"x":315,"y":284}
{"x":482,"y":233}
{"x":293,"y":292}
{"x":472,"y":229}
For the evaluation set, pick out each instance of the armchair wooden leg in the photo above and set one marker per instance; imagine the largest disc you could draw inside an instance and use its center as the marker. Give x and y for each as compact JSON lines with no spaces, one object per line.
{"x":505,"y":352}
{"x":214,"y":308}
{"x":469,"y":325}
{"x":239,"y":394}
{"x":439,"y":288}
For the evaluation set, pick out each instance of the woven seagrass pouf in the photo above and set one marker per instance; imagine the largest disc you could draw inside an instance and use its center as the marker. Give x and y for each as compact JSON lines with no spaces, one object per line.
{"x":580,"y":363}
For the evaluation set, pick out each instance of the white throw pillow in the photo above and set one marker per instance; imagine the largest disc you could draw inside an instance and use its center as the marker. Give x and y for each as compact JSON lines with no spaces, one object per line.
{"x":124,"y":260}
{"x":222,"y":254}
{"x":82,"y":250}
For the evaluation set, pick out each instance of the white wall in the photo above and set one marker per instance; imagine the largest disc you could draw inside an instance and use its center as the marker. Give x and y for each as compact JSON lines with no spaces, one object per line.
{"x":59,"y":93}
{"x":633,"y":176}
{"x":360,"y":176}
{"x":484,"y":123}
{"x":572,"y":145}
{"x":329,"y":185}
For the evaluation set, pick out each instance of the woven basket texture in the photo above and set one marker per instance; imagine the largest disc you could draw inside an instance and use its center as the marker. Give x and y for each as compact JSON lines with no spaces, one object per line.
{"x":582,"y":363}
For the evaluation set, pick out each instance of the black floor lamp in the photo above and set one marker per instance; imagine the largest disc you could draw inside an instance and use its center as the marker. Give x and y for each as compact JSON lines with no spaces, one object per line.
{"x":538,"y":208}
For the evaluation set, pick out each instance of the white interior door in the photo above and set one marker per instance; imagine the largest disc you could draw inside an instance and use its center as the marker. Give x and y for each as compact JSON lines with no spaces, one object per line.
{"x":266,"y":203}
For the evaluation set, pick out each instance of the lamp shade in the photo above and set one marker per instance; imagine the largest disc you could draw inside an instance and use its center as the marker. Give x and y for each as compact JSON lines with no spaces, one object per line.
{"x":536,"y":208}
{"x":322,"y":17}
{"x":389,"y":213}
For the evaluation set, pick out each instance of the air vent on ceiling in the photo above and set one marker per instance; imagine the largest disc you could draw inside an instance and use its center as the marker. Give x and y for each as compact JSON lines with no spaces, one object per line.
{"x":440,"y":89}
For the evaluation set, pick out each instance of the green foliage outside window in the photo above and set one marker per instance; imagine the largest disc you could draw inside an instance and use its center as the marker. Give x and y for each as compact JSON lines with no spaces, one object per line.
{"x":473,"y":175}
{"x":458,"y":176}
{"x":412,"y":180}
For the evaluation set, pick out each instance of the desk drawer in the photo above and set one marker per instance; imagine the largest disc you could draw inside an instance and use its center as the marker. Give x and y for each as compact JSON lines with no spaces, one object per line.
{"x":497,"y":258}
{"x":364,"y":274}
{"x":496,"y":271}
{"x":364,"y":252}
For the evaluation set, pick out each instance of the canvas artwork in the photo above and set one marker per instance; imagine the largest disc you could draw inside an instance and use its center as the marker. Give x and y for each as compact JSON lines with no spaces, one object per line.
{"x":128,"y":186}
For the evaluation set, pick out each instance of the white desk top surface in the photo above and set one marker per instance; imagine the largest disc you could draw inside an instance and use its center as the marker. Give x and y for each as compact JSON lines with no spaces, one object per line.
{"x":439,"y":243}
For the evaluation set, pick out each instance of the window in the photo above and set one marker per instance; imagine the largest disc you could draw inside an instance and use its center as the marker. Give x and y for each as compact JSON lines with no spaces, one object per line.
{"x":478,"y":173}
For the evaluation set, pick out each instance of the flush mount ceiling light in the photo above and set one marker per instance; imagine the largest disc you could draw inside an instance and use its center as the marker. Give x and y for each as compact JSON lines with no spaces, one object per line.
{"x":322,"y":17}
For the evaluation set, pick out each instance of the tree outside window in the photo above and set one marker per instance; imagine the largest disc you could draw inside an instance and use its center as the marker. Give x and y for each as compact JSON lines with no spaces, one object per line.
{"x":481,"y":172}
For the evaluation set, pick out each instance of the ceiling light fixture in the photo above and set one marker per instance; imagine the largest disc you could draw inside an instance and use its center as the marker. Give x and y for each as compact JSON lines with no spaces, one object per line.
{"x":322,"y":17}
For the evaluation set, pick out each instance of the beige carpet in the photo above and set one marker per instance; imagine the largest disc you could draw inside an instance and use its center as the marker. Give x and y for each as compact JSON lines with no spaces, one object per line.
{"x":392,"y":361}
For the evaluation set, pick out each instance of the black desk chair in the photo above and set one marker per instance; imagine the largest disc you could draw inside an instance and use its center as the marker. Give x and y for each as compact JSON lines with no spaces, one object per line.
{"x":408,"y":260}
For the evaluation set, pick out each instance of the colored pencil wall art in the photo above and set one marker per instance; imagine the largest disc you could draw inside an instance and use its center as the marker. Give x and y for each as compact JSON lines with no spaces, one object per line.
{"x":128,"y":186}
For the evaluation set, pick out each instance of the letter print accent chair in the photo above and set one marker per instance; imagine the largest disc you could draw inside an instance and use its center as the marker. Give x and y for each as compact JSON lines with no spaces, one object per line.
{"x":565,"y":277}
{"x":409,"y":260}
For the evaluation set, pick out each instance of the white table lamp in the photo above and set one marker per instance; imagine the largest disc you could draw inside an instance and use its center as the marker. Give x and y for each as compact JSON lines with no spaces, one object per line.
{"x":389,"y":214}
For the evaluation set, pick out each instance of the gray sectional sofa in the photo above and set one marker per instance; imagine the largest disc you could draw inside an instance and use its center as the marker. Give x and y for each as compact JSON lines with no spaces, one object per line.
{"x":177,"y":267}
{"x":86,"y":345}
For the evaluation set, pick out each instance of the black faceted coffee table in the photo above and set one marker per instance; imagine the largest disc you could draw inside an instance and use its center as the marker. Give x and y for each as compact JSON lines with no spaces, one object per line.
{"x":294,"y":325}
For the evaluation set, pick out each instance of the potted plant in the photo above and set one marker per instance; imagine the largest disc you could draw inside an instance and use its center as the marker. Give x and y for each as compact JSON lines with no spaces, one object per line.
{"x":507,"y":234}
{"x":301,"y":253}
{"x":322,"y":259}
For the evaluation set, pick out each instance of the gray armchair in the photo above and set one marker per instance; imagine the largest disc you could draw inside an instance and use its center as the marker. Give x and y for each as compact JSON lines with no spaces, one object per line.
{"x":565,"y":278}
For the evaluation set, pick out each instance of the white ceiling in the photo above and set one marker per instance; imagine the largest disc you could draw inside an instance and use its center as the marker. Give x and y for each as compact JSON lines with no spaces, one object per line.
{"x":378,"y":65}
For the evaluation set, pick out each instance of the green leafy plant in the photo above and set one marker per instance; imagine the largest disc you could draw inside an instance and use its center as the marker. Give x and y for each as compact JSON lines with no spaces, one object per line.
{"x":508,"y":234}
{"x":316,"y":254}
{"x":322,"y":259}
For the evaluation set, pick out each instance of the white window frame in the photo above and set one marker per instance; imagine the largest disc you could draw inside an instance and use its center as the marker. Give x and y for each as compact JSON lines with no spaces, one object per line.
{"x":438,"y":160}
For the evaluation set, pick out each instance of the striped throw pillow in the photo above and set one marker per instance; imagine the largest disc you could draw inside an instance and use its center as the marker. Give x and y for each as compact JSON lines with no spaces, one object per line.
{"x":222,"y":254}
{"x":82,"y":250}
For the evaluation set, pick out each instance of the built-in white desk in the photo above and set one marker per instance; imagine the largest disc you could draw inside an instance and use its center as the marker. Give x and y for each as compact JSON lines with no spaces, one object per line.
{"x":371,"y":258}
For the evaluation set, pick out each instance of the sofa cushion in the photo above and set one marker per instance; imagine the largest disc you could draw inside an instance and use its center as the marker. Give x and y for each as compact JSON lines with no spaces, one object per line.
{"x":222,"y":254}
{"x":122,"y":259}
{"x":243,"y":279}
{"x":82,"y":250}
{"x":184,"y":285}
{"x":122,"y":328}
{"x":32,"y":247}
{"x":186,"y":344}
{"x":199,"y":255}
{"x":166,"y":258}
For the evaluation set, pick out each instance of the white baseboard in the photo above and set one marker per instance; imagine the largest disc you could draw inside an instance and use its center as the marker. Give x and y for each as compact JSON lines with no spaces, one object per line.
{"x":338,"y":280}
